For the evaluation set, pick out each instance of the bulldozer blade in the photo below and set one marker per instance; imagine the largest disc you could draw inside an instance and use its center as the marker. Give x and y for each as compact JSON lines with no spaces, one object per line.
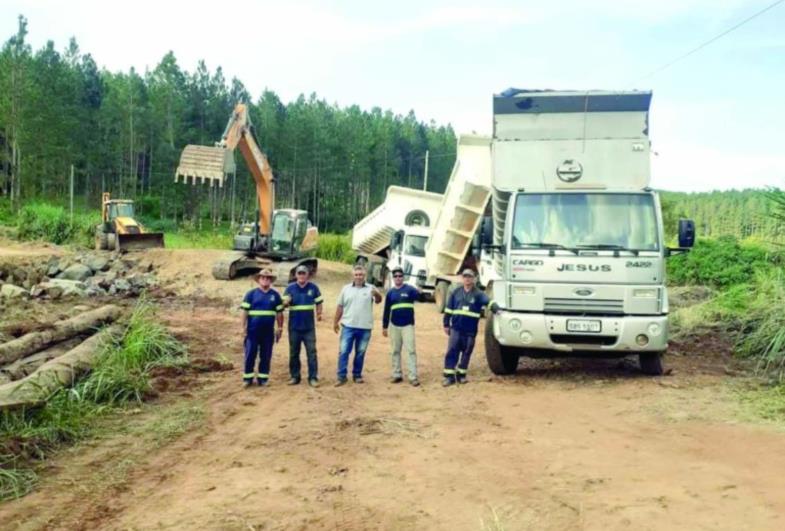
{"x":133,"y":242}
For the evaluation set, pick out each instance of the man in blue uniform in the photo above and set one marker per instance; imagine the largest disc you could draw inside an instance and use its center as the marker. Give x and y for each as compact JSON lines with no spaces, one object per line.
{"x":303,"y":298}
{"x":462,"y":313}
{"x":399,"y":308}
{"x":262,"y":324}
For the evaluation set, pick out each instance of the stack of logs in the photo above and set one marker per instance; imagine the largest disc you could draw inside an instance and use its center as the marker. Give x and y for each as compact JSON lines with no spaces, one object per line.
{"x":35,"y":365}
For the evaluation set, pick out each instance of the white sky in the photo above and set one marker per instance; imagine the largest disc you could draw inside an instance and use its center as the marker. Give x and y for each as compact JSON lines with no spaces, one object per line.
{"x":716,"y":116}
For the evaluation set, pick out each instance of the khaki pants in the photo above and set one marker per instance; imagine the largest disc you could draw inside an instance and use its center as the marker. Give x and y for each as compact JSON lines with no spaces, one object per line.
{"x":403,"y":336}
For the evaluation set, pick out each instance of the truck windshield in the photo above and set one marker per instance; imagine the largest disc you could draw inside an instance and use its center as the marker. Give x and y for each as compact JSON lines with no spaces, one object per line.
{"x":585,"y":221}
{"x":415,"y":245}
{"x":121,"y":210}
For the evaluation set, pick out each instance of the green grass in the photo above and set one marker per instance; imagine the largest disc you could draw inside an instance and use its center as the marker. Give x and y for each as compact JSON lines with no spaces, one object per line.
{"x":43,"y":221}
{"x":198,"y":240}
{"x":121,"y":377}
{"x":767,"y":403}
{"x":336,"y":248}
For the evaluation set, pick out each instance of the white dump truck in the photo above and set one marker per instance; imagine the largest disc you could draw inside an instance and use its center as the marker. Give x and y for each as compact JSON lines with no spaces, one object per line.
{"x":396,"y":233}
{"x":576,"y":240}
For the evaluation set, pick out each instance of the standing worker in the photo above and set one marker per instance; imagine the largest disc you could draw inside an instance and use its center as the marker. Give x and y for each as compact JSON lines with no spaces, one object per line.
{"x":262,"y":325}
{"x":399,"y":308}
{"x":302,"y":297}
{"x":355,"y":314}
{"x":462,"y":312}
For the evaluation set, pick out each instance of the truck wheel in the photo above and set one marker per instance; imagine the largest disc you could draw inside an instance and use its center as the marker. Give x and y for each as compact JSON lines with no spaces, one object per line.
{"x":440,"y":294}
{"x":501,"y":359}
{"x":100,"y":241}
{"x":111,"y":241}
{"x":651,"y":363}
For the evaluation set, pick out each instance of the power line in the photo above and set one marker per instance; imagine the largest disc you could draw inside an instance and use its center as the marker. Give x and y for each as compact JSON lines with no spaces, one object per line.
{"x":716,"y":37}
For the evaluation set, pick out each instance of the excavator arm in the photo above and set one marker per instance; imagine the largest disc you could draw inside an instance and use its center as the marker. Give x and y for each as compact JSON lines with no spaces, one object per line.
{"x":211,"y":164}
{"x":239,"y":134}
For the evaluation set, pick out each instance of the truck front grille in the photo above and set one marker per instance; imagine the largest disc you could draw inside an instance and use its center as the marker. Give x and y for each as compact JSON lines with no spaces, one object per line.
{"x":584,"y":306}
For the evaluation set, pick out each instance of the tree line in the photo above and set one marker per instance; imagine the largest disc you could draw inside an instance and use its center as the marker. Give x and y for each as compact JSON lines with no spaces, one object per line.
{"x":123,"y":132}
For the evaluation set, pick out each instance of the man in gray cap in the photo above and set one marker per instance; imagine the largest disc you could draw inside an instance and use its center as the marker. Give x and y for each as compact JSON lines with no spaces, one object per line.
{"x":303,"y":298}
{"x":462,"y":313}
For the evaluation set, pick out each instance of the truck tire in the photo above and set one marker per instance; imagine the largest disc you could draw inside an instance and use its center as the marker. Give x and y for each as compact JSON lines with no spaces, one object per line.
{"x":651,"y":363}
{"x":111,"y":241}
{"x":440,"y":294}
{"x":501,"y":360}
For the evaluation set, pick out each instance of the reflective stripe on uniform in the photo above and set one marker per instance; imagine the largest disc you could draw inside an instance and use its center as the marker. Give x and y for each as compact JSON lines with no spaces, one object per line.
{"x":245,"y":305}
{"x":466,"y":313}
{"x":248,"y":375}
{"x":318,"y":299}
{"x":448,"y":310}
{"x":462,"y":371}
{"x":401,"y":306}
{"x":301,"y":307}
{"x":256,"y":313}
{"x":449,"y":371}
{"x":261,"y":375}
{"x":279,"y":308}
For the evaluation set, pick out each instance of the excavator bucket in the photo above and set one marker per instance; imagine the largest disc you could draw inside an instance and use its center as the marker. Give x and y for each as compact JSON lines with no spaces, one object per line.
{"x":134,"y":242}
{"x":203,"y":164}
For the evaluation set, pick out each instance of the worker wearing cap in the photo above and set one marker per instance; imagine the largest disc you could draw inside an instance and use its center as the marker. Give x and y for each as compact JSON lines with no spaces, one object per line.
{"x":303,"y":298}
{"x":399,"y":309}
{"x":262,"y":324}
{"x":462,"y":313}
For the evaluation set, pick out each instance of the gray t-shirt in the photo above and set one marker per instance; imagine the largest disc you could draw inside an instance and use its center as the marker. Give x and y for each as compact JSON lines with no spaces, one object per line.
{"x":357,"y":304}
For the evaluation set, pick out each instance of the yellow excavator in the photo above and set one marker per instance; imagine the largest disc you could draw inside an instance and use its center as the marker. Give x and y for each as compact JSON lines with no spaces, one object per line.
{"x":278,"y":239}
{"x":119,"y":229}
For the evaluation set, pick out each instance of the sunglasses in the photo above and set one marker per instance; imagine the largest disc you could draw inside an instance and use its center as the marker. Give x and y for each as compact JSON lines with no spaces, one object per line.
{"x":302,"y":273}
{"x":397,"y":276}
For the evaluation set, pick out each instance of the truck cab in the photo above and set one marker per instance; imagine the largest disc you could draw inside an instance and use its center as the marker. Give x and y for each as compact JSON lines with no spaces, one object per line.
{"x":407,"y":251}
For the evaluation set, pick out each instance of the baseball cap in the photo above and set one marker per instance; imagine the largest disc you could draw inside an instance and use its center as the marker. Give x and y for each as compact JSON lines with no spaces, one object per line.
{"x":468,"y":273}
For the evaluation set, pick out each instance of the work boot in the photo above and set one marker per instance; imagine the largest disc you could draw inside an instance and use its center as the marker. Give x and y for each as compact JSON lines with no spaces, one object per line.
{"x":396,"y":379}
{"x":313,"y":382}
{"x":358,"y":379}
{"x":447,"y":382}
{"x":262,"y":382}
{"x":415,"y":382}
{"x":247,"y":383}
{"x":461,"y":379}
{"x":340,"y":382}
{"x":293,"y":381}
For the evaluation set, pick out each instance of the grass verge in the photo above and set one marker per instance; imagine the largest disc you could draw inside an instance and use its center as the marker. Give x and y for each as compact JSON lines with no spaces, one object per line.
{"x":120,"y":378}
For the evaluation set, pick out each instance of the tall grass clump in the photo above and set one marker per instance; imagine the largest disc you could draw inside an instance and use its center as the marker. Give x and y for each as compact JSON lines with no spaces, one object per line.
{"x":121,"y":376}
{"x":43,"y":221}
{"x":336,"y":248}
{"x":762,"y":335}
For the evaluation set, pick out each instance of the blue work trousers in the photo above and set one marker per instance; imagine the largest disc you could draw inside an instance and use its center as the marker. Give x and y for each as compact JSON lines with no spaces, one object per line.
{"x":258,"y":343}
{"x":459,"y":353}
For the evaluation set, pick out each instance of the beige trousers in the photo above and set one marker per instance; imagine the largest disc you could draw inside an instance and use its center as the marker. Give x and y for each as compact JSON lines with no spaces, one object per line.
{"x":403,"y":336}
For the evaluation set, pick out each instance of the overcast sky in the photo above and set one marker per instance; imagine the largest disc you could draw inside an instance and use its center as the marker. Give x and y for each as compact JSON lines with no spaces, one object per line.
{"x":717,"y":116}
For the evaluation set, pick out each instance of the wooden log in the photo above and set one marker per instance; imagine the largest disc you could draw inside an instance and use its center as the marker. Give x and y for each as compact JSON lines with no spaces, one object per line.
{"x":25,"y":366}
{"x":35,"y":341}
{"x":62,"y":371}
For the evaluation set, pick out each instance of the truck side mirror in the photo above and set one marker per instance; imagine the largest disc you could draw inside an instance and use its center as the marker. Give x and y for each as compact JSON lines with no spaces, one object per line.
{"x":686,"y":233}
{"x":396,"y":240}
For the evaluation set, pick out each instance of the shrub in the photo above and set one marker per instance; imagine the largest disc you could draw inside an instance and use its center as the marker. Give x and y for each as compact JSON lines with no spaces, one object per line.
{"x":720,"y":263}
{"x":763,"y":329}
{"x":336,"y":247}
{"x":42,"y":221}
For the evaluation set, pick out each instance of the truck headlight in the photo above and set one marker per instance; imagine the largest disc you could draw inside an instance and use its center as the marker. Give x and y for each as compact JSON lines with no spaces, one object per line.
{"x":515,"y":324}
{"x":647,"y":293}
{"x":654,"y":329}
{"x":524,"y":290}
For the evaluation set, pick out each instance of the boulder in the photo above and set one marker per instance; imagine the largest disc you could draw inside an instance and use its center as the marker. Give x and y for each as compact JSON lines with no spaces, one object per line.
{"x":53,"y":268}
{"x":11,"y":291}
{"x":122,"y":284}
{"x":76,"y":272}
{"x":96,"y":263}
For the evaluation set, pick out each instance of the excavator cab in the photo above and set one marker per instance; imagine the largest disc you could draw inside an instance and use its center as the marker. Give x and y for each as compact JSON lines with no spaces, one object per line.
{"x":288,"y":238}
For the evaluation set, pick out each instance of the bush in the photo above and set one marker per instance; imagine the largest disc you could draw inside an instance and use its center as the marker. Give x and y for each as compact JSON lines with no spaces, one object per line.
{"x":42,"y":221}
{"x":720,"y":263}
{"x":336,"y":247}
{"x":763,"y":328}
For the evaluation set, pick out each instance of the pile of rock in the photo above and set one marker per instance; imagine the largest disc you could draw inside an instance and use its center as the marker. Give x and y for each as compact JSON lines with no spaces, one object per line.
{"x":82,"y":275}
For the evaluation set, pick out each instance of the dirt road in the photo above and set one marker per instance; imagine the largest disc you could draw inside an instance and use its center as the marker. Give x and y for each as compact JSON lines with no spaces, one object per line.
{"x":561,"y":445}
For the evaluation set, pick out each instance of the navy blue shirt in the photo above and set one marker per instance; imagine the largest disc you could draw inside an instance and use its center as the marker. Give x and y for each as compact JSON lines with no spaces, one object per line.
{"x":399,"y":306}
{"x":463,"y":310}
{"x":262,"y":308}
{"x":302,"y":303}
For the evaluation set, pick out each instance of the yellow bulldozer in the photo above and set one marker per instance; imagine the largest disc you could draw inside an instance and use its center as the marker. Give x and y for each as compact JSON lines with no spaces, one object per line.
{"x":119,"y":229}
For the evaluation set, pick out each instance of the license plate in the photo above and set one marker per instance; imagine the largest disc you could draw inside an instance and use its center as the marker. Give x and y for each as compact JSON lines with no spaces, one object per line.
{"x":583,"y":325}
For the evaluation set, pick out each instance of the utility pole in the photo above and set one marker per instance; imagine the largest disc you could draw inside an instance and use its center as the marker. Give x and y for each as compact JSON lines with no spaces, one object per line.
{"x":72,"y":194}
{"x":425,"y":180}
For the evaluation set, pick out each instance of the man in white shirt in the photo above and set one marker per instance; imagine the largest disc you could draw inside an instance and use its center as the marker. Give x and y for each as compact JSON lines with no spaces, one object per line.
{"x":354,"y":320}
